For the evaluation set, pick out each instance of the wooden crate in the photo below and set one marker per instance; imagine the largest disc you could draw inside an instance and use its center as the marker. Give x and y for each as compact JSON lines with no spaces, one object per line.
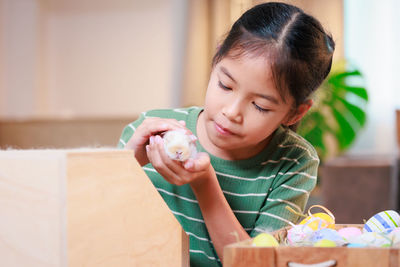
{"x":242,"y":254}
{"x":84,"y":208}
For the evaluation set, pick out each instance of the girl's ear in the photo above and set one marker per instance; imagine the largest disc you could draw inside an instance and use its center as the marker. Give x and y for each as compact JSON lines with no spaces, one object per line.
{"x":299,"y":113}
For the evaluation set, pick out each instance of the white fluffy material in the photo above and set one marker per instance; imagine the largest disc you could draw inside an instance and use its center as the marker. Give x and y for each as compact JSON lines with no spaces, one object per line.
{"x":179,"y":145}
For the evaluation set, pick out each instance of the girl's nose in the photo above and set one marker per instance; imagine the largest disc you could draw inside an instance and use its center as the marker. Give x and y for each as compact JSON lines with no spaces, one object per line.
{"x":233,"y":111}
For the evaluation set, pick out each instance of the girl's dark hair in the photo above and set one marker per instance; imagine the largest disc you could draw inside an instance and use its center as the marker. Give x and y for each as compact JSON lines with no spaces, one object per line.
{"x":299,"y":50}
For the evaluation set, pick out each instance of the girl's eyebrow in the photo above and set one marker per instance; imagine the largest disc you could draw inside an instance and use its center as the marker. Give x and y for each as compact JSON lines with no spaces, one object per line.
{"x":226,"y":72}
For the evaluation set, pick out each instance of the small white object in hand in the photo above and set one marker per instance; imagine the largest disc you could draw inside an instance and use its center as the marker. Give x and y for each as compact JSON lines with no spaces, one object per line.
{"x":179,"y":146}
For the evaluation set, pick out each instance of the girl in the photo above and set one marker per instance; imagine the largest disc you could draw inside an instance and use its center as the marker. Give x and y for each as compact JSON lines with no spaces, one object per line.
{"x":251,"y":163}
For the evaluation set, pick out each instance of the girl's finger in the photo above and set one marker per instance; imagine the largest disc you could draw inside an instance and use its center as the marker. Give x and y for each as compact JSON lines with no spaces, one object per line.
{"x":155,"y":126}
{"x":149,"y":127}
{"x":175,"y":166}
{"x":159,"y":164}
{"x":200,"y":163}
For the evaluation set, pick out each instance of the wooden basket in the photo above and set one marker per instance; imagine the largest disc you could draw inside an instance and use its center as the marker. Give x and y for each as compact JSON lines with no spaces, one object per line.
{"x":243,"y":254}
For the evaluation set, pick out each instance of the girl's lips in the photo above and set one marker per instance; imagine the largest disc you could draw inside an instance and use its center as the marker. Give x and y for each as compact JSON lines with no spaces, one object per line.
{"x":222,"y":130}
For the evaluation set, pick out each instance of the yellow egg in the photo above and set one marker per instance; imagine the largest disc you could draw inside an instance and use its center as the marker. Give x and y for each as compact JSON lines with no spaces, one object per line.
{"x":325,"y":243}
{"x":265,"y":240}
{"x":318,"y":221}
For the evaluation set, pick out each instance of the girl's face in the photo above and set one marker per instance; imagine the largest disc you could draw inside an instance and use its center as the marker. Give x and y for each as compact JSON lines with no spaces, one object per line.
{"x":242,"y":108}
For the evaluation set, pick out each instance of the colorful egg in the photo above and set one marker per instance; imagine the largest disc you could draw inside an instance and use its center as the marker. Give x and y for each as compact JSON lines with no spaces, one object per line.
{"x":327,"y":234}
{"x":319,"y":221}
{"x":395,"y":236}
{"x":324,"y":243}
{"x":396,"y":230}
{"x":372,"y":239}
{"x":297,"y":234}
{"x":348,"y":232}
{"x":384,"y":221}
{"x":265,"y":240}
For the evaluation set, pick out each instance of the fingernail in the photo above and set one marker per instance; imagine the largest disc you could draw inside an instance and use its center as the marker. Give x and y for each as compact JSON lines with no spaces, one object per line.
{"x":182,"y":122}
{"x":193,"y":137}
{"x":151,"y":140}
{"x":147,"y":148}
{"x":188,"y":164}
{"x":158,"y":139}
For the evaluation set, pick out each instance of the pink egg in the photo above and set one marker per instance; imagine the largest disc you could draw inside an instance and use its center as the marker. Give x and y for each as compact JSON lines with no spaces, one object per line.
{"x":349,"y":232}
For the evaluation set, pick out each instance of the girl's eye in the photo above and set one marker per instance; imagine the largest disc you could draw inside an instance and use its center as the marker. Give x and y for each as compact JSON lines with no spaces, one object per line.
{"x":260,"y":108}
{"x":220,"y":84}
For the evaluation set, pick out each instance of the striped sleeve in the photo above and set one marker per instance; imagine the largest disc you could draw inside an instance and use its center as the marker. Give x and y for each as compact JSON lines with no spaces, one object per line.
{"x":177,"y":114}
{"x":291,"y":187}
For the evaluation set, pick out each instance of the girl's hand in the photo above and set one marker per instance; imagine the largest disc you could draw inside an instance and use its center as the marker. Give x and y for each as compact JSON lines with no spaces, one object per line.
{"x":176,"y":172}
{"x":148,"y":128}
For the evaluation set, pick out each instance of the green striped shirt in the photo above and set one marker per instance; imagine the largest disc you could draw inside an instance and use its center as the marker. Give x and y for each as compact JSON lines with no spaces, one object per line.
{"x":257,"y":189}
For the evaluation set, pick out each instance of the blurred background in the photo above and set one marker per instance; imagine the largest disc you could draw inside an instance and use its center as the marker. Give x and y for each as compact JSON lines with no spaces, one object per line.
{"x":74,"y":72}
{"x":92,"y":59}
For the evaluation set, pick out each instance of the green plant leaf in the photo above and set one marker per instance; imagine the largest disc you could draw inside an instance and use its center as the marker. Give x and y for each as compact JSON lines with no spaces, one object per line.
{"x":358,"y":91}
{"x":345,"y":133}
{"x":316,"y":134}
{"x":356,"y":112}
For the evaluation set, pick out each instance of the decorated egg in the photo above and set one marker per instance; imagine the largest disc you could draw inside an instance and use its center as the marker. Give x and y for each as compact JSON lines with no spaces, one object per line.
{"x":372,"y":239}
{"x":298,"y":234}
{"x":318,"y":221}
{"x":348,"y":232}
{"x":265,"y":240}
{"x":395,"y":236}
{"x":325,"y":243}
{"x":384,"y":221}
{"x":327,"y":234}
{"x":396,"y":230}
{"x":178,"y":145}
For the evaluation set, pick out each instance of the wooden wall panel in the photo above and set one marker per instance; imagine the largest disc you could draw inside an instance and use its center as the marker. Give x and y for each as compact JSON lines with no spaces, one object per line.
{"x":62,"y":133}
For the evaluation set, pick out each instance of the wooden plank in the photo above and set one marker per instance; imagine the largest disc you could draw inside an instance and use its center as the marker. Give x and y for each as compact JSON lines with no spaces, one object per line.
{"x":31,"y":210}
{"x":310,"y":255}
{"x":242,"y":254}
{"x":115,"y":215}
{"x":84,"y":208}
{"x":239,"y":256}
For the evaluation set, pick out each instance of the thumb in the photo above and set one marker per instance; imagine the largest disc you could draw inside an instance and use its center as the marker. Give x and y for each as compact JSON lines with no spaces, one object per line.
{"x":199,"y":163}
